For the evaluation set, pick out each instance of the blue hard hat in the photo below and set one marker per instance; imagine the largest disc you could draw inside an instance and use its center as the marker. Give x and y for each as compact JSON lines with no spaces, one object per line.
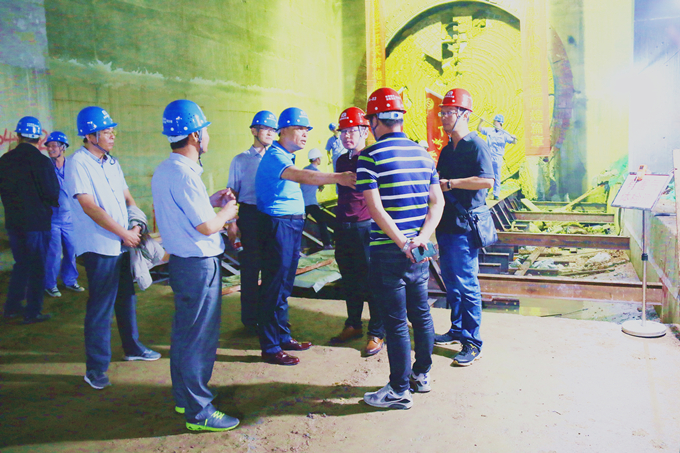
{"x":29,"y":127}
{"x":57,"y":136}
{"x":332,"y":127}
{"x":183,"y":117}
{"x":499,"y":118}
{"x":265,"y":118}
{"x":92,"y":119}
{"x":294,"y":116}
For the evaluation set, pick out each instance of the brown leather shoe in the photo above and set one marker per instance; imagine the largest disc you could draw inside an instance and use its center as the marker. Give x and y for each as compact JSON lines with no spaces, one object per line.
{"x":294,"y":345}
{"x":347,"y":334}
{"x":373,"y":346}
{"x":280,"y":358}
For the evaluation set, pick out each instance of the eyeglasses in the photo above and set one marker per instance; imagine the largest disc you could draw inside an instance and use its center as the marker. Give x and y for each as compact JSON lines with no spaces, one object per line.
{"x":447,"y":113}
{"x":351,"y":130}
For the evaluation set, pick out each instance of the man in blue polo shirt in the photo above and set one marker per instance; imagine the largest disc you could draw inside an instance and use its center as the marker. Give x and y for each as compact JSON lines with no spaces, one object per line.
{"x":401,"y":188}
{"x":465,"y":169}
{"x":279,"y":198}
{"x":497,"y":138}
{"x":190,"y":230}
{"x":99,"y":199}
{"x":242,"y":172}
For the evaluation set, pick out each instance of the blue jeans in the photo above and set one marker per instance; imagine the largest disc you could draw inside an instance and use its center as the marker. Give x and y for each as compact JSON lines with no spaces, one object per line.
{"x":29,"y":249}
{"x":460,"y":266}
{"x":61,"y":242}
{"x":111,"y":289}
{"x":352,"y":254}
{"x":400,"y":289}
{"x":197,"y":284}
{"x":497,"y":164}
{"x":249,"y":259}
{"x":280,"y":255}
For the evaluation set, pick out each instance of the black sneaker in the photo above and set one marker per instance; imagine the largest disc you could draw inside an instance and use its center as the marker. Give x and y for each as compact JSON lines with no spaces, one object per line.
{"x":468,"y":355}
{"x":447,"y":338}
{"x":36,"y":319}
{"x":218,"y":421}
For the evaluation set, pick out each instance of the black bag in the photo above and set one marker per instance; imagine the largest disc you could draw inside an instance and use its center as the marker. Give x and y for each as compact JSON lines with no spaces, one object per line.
{"x":480,"y":221}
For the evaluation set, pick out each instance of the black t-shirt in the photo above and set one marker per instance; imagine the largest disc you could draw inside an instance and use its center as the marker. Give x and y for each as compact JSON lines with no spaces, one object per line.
{"x":470,"y":158}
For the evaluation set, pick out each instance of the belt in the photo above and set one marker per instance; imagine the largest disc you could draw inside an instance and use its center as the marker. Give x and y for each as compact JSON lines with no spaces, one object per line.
{"x":289,"y":217}
{"x":354,"y":225}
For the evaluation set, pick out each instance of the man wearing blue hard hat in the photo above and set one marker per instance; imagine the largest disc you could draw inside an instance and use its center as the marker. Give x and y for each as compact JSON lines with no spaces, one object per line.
{"x":242,"y":172}
{"x":62,"y":239}
{"x":279,"y":199}
{"x":334,"y":147}
{"x":99,"y":197}
{"x":29,"y":189}
{"x":190,"y":230}
{"x":497,"y":138}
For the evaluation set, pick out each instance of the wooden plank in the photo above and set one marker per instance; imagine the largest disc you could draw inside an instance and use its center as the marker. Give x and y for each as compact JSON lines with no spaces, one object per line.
{"x":300,"y":270}
{"x":566,"y":288}
{"x":571,"y":204}
{"x":529,"y":261}
{"x":564,"y":240}
{"x":581,"y":217}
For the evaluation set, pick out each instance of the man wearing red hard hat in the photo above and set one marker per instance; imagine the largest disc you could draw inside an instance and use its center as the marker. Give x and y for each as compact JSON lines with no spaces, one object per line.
{"x":401,"y":187}
{"x":466,"y":174}
{"x":352,"y":238}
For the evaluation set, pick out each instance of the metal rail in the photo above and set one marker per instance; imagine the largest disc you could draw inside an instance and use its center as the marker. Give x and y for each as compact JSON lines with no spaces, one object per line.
{"x":564,"y":240}
{"x":582,"y":217}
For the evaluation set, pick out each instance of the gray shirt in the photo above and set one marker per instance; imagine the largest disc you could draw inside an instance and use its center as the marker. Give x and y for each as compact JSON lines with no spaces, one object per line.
{"x":309,"y":191}
{"x":242,"y":173}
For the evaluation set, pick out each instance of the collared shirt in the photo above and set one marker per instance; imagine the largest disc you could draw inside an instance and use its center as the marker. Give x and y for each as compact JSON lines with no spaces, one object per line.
{"x":352,"y":205}
{"x":242,"y":173}
{"x":403,"y":172}
{"x":471,"y":157}
{"x":105,"y":181}
{"x":496,"y":139}
{"x":182,"y":203}
{"x":308,"y":190}
{"x":62,"y":214}
{"x":277,"y":196}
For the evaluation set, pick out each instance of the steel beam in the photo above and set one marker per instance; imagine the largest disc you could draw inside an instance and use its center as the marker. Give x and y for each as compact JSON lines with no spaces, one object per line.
{"x":582,"y":217}
{"x":584,"y":241}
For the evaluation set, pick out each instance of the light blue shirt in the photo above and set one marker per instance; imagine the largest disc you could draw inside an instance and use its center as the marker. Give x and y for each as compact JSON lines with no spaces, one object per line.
{"x":308,"y":190}
{"x":334,"y":146}
{"x":242,"y":173}
{"x":182,"y":203}
{"x":497,"y":139}
{"x":104,"y":180}
{"x":277,"y":196}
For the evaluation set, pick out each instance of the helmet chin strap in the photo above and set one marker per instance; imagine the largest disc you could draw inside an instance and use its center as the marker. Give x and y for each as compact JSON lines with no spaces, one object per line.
{"x":200,"y":147}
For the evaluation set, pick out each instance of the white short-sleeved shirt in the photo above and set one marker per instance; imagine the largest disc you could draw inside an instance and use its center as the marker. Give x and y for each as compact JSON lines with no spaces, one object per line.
{"x":181,"y":203}
{"x":105,"y":181}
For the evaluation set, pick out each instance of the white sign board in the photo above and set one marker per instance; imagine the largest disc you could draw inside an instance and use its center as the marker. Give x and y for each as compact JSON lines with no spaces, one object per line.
{"x":642,"y":194}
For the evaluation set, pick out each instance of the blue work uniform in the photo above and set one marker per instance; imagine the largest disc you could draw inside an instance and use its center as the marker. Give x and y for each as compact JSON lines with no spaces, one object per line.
{"x":62,"y":240}
{"x":335,"y":148}
{"x":182,"y":203}
{"x":312,"y":207}
{"x":497,"y":139}
{"x":281,"y":203}
{"x":242,"y":181}
{"x":107,"y":265}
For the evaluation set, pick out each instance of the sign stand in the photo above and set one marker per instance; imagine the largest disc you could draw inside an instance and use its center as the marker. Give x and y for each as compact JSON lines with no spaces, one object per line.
{"x":641,"y":191}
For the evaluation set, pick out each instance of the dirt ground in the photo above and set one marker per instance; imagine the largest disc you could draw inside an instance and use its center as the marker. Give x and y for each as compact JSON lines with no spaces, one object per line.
{"x":545,"y":384}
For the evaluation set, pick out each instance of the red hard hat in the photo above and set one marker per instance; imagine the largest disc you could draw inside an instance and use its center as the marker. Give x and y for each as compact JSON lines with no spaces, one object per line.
{"x":351,"y":117}
{"x":384,"y":100}
{"x":458,"y":97}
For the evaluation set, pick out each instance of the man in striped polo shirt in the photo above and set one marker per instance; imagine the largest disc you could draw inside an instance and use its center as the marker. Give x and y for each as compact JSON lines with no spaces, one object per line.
{"x":400,"y":183}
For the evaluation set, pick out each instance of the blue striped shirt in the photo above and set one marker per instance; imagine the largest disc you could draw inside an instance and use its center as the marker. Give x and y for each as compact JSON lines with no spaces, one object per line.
{"x":403,"y":172}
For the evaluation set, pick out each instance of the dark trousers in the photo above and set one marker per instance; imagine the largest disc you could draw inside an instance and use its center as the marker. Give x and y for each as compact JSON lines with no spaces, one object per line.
{"x":400,"y":289}
{"x":315,"y":211}
{"x":197,"y":284}
{"x":249,"y":259}
{"x":280,"y":256}
{"x":352,"y":254}
{"x":111,"y":289}
{"x":29,"y":249}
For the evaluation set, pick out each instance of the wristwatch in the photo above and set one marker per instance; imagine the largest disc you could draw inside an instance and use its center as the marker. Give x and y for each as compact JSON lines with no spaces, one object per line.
{"x":448,"y":184}
{"x":405,"y":247}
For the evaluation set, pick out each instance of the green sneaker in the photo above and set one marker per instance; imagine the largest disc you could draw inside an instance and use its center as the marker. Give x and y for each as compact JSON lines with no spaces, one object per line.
{"x":218,"y":421}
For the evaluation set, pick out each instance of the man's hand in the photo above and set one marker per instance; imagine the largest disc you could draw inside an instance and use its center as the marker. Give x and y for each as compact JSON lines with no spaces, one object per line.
{"x":233,"y":232}
{"x":348,"y":179}
{"x":218,"y":199}
{"x":131,"y":238}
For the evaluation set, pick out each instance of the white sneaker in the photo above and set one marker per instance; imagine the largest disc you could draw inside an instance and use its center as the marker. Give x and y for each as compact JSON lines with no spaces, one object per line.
{"x":420,"y":382}
{"x":387,"y":397}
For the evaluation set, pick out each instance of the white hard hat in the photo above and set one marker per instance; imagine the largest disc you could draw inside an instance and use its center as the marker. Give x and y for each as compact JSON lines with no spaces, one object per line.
{"x":314,"y":154}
